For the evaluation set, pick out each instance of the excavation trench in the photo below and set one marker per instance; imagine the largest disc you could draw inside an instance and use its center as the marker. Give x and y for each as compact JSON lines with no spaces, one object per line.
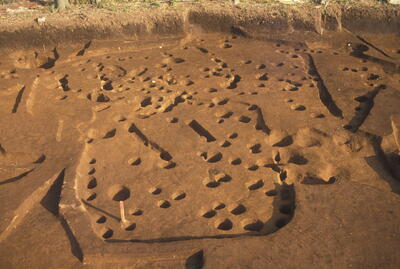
{"x":200,"y":125}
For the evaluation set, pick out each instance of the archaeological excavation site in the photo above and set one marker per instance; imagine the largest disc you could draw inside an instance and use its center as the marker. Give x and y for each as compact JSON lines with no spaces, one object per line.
{"x":200,"y":134}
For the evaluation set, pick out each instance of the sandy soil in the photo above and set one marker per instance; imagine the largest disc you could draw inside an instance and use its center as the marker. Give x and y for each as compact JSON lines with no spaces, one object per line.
{"x":250,"y":149}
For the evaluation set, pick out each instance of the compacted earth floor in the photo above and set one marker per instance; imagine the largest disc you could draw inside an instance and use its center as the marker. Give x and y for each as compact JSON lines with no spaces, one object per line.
{"x":213,"y":150}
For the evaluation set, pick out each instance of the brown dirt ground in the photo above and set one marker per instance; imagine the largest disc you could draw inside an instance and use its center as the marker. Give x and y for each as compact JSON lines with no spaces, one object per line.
{"x":236,"y":138}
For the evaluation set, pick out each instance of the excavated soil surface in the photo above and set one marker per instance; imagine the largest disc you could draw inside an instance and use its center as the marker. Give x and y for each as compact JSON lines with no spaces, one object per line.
{"x":212,"y":150}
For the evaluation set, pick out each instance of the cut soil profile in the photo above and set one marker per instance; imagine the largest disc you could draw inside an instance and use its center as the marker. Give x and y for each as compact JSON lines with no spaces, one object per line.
{"x":183,"y":145}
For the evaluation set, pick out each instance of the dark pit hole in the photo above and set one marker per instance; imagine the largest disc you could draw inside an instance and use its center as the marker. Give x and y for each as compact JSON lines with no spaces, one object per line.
{"x":227,"y":115}
{"x":253,"y":167}
{"x":313,"y":180}
{"x":108,"y":234}
{"x":283,"y":175}
{"x":277,"y":158}
{"x":256,"y":185}
{"x":254,"y":227}
{"x":92,"y":171}
{"x":332,"y":180}
{"x":345,"y":69}
{"x":238,"y":210}
{"x":233,"y":135}
{"x":285,"y":142}
{"x":212,"y":184}
{"x":236,"y":161}
{"x":108,"y":86}
{"x":217,"y":157}
{"x":180,"y":196}
{"x":165,"y":156}
{"x":92,"y":161}
{"x":203,"y":50}
{"x":209,"y":214}
{"x":136,"y":162}
{"x":91,"y":197}
{"x":244,"y":119}
{"x":361,"y":99}
{"x":138,"y":212}
{"x":347,"y":127}
{"x":274,"y":167}
{"x":373,"y":77}
{"x":256,"y":148}
{"x":110,"y":133}
{"x":156,"y":191}
{"x":146,"y":102}
{"x":300,"y":108}
{"x":131,"y":227}
{"x":226,"y":144}
{"x":271,"y":193}
{"x":92,"y":183}
{"x":219,"y":206}
{"x":263,"y":77}
{"x":64,"y":83}
{"x":226,"y":178}
{"x":252,"y":107}
{"x":165,"y":204}
{"x":225,"y":225}
{"x":102,"y":219}
{"x":299,"y":160}
{"x":123,"y":194}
